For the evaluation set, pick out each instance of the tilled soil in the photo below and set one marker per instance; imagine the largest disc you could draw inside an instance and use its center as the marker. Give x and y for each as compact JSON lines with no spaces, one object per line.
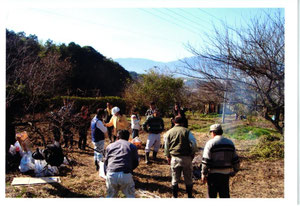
{"x":256,"y":179}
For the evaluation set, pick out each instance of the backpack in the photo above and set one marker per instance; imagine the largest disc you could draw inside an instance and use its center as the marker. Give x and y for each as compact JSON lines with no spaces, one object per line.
{"x":54,"y":155}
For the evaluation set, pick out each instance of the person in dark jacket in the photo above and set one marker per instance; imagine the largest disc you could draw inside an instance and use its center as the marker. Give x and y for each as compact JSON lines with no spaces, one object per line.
{"x":107,"y":117}
{"x":154,"y":125}
{"x":83,"y":126}
{"x":219,"y":162}
{"x":55,"y":124}
{"x":178,"y":111}
{"x":120,"y":161}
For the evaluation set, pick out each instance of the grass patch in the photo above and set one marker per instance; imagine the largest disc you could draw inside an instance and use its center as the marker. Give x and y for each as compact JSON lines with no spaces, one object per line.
{"x":199,"y":128}
{"x":268,"y":147}
{"x":210,"y":116}
{"x":21,"y":192}
{"x":248,"y":132}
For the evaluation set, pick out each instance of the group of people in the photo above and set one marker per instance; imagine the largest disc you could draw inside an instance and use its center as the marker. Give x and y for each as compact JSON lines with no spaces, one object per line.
{"x":219,"y":162}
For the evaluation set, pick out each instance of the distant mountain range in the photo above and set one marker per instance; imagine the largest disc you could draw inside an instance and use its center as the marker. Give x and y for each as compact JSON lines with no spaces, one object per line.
{"x":137,"y":66}
{"x":142,"y":66}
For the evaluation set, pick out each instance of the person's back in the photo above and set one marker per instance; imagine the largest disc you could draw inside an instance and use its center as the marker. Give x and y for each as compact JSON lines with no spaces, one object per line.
{"x":120,"y":157}
{"x":179,"y":143}
{"x":96,"y":133}
{"x":219,"y":162}
{"x":222,"y":154}
{"x":180,"y":148}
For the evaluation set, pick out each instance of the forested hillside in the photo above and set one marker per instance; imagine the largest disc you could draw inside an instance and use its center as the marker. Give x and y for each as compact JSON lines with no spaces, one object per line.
{"x":90,"y":72}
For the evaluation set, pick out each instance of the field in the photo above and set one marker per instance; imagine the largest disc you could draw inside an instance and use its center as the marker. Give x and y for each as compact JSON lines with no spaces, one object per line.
{"x":258,"y":177}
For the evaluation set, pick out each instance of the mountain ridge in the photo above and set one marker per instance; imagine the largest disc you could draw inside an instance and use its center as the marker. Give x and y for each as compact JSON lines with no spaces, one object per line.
{"x":142,"y":65}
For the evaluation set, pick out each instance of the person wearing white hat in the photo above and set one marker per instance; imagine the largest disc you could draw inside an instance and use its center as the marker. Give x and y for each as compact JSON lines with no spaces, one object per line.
{"x":118,"y":121}
{"x":219,"y":162}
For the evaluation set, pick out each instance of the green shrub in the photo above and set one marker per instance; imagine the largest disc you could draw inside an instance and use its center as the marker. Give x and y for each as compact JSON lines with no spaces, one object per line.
{"x":268,"y":147}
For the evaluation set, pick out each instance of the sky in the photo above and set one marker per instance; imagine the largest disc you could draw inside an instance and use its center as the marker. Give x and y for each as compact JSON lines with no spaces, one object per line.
{"x":159,"y":34}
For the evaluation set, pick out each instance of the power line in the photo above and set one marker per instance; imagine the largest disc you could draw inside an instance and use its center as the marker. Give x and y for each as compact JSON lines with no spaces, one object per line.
{"x":162,"y":18}
{"x":106,"y":26}
{"x":178,"y":20}
{"x":210,"y":14}
{"x":194,"y":15}
{"x":201,"y":26}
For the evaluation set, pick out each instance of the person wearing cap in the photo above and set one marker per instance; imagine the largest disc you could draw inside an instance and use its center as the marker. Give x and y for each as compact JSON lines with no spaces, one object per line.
{"x":154,"y":125}
{"x":98,"y":133}
{"x":118,"y":121}
{"x":180,"y":148}
{"x":120,"y":161}
{"x":219,"y":162}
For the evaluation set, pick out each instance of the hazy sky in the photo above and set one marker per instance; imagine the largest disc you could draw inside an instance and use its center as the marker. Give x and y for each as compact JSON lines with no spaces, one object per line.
{"x":158,"y":34}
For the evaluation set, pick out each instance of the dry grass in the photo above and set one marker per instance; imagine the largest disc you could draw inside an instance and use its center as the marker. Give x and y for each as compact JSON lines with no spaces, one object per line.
{"x":257,"y":178}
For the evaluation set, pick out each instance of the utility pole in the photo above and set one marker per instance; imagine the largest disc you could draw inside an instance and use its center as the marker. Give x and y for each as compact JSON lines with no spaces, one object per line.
{"x":225,"y":92}
{"x":224,"y":106}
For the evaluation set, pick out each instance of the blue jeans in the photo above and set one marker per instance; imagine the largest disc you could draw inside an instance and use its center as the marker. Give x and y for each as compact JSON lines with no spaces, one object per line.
{"x":99,"y":150}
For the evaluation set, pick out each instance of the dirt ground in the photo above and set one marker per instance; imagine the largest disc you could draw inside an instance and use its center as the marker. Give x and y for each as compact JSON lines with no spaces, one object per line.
{"x":256,"y":179}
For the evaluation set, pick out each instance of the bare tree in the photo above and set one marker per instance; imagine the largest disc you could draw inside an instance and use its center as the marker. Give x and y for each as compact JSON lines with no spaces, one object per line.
{"x":32,"y":75}
{"x":247,"y":62}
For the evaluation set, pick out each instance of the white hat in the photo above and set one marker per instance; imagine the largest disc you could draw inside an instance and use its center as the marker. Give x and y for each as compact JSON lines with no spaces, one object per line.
{"x":115,"y":110}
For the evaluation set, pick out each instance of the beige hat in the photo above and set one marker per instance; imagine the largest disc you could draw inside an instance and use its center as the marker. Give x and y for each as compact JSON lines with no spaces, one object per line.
{"x":215,"y":127}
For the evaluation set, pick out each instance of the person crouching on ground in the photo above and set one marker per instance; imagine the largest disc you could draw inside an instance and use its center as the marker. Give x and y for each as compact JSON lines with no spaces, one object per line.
{"x":121,"y":159}
{"x":219,"y":162}
{"x":118,"y":121}
{"x":154,"y":125}
{"x":180,"y":148}
{"x":98,"y":133}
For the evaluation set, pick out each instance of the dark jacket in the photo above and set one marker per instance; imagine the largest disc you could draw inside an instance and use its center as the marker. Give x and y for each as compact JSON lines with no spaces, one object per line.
{"x":153,"y":125}
{"x":179,"y":112}
{"x":107,"y":116}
